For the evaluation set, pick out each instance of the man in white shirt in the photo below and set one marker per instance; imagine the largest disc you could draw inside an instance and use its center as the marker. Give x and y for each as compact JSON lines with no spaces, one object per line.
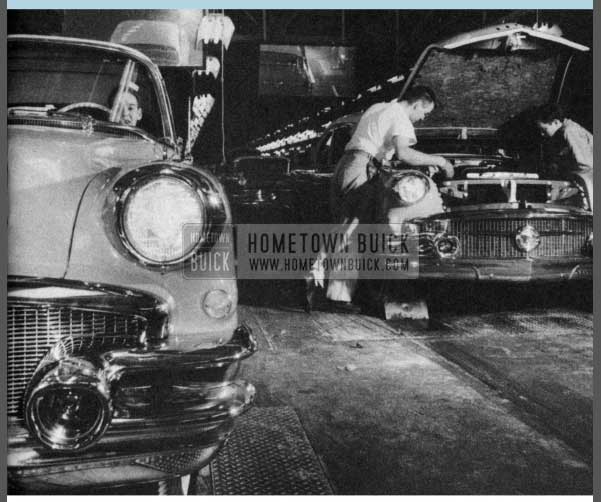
{"x":384,"y":129}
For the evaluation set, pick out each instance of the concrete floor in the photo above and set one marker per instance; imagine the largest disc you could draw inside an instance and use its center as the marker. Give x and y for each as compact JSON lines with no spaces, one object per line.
{"x":483,"y":402}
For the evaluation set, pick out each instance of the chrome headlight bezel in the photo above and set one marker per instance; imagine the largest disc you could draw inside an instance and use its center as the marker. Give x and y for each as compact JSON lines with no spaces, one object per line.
{"x":399,"y":187}
{"x":68,"y":405}
{"x":211,"y":200}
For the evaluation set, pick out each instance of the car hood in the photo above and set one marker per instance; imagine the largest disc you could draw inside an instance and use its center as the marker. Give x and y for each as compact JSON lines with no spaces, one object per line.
{"x":483,"y":79}
{"x":484,"y":89}
{"x":49,"y":170}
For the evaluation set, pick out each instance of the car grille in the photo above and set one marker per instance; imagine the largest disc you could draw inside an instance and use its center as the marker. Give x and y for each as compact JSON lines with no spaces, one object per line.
{"x":34,"y":329}
{"x":495,"y":237}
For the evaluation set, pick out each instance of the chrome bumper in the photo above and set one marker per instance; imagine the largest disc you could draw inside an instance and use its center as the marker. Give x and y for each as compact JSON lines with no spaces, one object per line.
{"x":511,"y":270}
{"x":171,"y":412}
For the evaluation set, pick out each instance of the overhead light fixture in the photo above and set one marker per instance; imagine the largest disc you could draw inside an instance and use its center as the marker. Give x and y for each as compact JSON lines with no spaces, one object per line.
{"x":215,"y":28}
{"x":212,"y":66}
{"x":198,"y":111}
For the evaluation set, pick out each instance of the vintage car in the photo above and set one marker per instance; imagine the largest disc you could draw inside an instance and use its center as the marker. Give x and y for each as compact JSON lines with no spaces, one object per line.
{"x":122,"y":354}
{"x":502,"y":217}
{"x":284,"y":73}
{"x":259,"y":189}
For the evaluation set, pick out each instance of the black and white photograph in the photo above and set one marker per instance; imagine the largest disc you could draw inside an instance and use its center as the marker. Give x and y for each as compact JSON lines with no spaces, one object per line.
{"x":299,"y":252}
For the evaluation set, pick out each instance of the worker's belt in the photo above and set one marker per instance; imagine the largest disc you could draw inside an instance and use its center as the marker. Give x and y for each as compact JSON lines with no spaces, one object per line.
{"x":355,"y":151}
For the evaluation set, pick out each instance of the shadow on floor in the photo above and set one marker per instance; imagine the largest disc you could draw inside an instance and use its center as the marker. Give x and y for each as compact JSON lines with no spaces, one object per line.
{"x":441,"y":296}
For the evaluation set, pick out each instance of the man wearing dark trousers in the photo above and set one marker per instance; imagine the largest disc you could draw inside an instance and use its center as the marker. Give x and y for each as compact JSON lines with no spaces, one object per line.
{"x":384,"y":129}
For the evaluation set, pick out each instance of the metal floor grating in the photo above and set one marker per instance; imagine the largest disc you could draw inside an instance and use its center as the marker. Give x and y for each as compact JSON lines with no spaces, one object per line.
{"x":268,"y":453}
{"x":527,"y":322}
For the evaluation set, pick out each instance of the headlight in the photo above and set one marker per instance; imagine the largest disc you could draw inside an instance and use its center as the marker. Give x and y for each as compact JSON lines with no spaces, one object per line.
{"x":411,"y":188}
{"x":155,"y":215}
{"x":69,"y":408}
{"x":527,"y":238}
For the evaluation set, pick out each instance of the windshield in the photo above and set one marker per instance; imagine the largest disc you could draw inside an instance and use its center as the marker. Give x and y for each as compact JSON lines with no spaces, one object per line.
{"x":63,"y":78}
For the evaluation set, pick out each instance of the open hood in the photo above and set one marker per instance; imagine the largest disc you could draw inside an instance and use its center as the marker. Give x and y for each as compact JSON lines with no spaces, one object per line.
{"x":485,"y":77}
{"x":511,"y":36}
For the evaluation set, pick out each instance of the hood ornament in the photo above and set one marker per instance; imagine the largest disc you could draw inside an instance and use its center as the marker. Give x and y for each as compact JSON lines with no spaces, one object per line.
{"x":87,"y":125}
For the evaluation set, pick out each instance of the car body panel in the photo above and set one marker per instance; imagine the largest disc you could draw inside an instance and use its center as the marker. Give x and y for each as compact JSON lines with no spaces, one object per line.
{"x":190,"y":327}
{"x":49,"y":170}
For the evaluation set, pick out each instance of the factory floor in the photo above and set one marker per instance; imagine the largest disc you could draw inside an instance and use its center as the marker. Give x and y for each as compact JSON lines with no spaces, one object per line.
{"x":495,"y":396}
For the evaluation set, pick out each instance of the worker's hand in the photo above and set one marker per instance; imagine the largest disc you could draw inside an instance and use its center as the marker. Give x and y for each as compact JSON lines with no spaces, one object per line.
{"x":316,"y":274}
{"x":446,"y":167}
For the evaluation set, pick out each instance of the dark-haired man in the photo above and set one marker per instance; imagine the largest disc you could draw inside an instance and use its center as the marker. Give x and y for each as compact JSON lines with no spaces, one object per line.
{"x":129,"y":111}
{"x":570,"y":146}
{"x":384,"y":129}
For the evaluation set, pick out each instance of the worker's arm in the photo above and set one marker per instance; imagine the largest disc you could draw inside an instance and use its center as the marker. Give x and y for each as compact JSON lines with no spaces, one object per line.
{"x":580,"y":142}
{"x":413,"y":157}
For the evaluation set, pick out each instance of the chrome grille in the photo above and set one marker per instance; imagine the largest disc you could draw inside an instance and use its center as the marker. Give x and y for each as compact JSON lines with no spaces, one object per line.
{"x":34,"y":329}
{"x":495,"y":237}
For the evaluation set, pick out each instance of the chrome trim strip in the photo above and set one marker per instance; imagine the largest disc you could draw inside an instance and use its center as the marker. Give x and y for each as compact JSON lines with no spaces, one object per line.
{"x":241,"y":345}
{"x":23,"y":281}
{"x":479,"y":213}
{"x":74,"y":123}
{"x":507,"y":270}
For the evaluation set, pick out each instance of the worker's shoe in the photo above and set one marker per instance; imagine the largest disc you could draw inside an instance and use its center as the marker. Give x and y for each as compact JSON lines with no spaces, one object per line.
{"x":343,"y":307}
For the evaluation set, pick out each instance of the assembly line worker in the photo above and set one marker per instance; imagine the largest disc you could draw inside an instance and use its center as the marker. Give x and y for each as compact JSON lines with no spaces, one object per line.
{"x":383,"y":130}
{"x":570,"y":146}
